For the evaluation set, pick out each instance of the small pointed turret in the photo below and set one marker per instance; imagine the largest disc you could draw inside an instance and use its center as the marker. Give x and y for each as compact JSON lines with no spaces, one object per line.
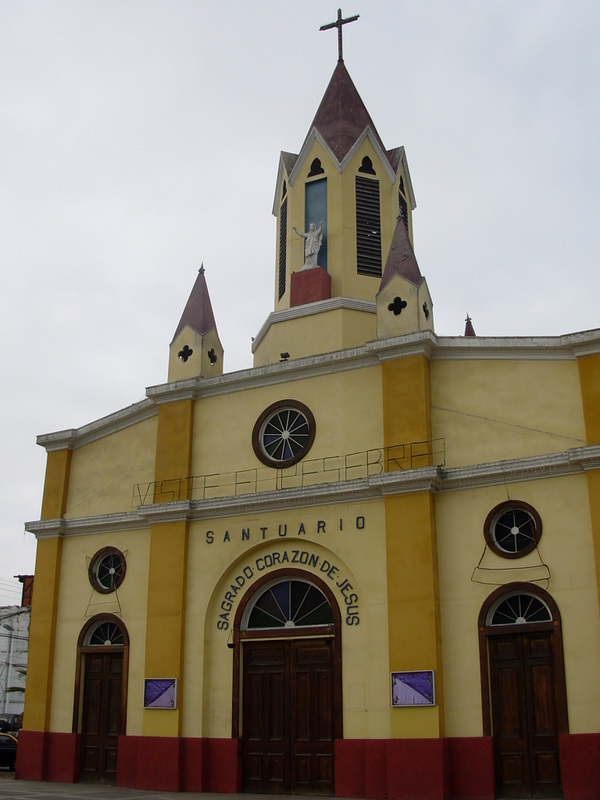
{"x":403,"y":301}
{"x":469,"y":329}
{"x":196,"y":350}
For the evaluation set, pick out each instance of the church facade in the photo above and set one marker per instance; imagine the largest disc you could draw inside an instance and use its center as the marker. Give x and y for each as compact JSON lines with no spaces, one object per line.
{"x":365,"y":567}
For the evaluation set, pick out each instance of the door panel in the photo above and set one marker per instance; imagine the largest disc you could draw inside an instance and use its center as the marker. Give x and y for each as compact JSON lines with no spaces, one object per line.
{"x":287,"y":710}
{"x":265,"y":718}
{"x":524,"y":715}
{"x":101,"y":715}
{"x":312,"y":740}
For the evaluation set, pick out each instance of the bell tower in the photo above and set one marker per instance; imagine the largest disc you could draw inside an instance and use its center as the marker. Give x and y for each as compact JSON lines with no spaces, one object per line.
{"x":337,"y":204}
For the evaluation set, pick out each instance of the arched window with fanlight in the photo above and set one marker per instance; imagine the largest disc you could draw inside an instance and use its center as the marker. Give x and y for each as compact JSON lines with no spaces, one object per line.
{"x":105,"y":633}
{"x":289,"y":603}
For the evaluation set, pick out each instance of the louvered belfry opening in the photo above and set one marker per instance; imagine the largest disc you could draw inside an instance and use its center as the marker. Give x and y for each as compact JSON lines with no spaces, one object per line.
{"x":368,"y":227}
{"x":282,"y":248}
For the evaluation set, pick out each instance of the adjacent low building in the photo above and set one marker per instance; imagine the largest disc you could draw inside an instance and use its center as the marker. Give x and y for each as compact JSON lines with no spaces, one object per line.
{"x":14,"y":641}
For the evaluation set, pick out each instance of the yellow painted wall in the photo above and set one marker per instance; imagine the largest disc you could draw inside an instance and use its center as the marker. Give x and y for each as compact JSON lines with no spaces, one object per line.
{"x":344,"y":412}
{"x":167,"y":569}
{"x":176,"y":578}
{"x":589,"y":375}
{"x":214,"y":567}
{"x":103,"y":472}
{"x":198,"y":363}
{"x":166,"y":619}
{"x":563,"y":506}
{"x":42,"y":634}
{"x":44,"y":605}
{"x":493,"y":410}
{"x":406,"y":400}
{"x":413,"y":605}
{"x":307,"y":336}
{"x":78,"y":602}
{"x":56,"y":483}
{"x":411,"y":549}
{"x":173,"y":443}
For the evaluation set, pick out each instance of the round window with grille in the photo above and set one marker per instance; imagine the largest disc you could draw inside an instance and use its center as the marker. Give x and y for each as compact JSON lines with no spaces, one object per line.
{"x":512,"y":529}
{"x":284,"y":433}
{"x":107,"y":570}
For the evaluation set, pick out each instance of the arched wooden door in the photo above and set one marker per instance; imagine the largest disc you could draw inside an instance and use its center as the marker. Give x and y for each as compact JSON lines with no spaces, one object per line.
{"x":287,"y":696}
{"x":523,"y":689}
{"x":101,"y":693}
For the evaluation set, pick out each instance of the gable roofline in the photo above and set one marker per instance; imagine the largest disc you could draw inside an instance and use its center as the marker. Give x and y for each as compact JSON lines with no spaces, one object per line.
{"x":296,"y":162}
{"x":316,"y":136}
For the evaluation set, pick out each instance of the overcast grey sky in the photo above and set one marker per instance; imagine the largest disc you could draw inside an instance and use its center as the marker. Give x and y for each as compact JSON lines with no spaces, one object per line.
{"x":140,"y":138}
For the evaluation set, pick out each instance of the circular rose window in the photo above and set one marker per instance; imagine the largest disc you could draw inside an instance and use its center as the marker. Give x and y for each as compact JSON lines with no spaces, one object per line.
{"x":284,"y":433}
{"x":512,"y":529}
{"x":107,"y":570}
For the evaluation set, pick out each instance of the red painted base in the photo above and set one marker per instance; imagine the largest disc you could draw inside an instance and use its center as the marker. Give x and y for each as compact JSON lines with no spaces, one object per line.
{"x":419,"y":769}
{"x":30,"y":756}
{"x":309,"y":286}
{"x":178,"y":765}
{"x":580,"y":766}
{"x":377,"y":769}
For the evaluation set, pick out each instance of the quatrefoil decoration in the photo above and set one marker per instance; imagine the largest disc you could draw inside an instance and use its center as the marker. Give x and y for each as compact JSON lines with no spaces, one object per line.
{"x":425,"y":311}
{"x":185,"y":353}
{"x":212,"y":356}
{"x":397,"y":306}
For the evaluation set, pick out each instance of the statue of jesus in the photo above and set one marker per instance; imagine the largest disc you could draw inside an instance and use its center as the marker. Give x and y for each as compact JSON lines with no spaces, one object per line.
{"x":313,"y":239}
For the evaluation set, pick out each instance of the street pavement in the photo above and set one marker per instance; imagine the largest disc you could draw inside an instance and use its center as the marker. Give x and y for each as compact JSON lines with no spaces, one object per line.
{"x":32,"y":790}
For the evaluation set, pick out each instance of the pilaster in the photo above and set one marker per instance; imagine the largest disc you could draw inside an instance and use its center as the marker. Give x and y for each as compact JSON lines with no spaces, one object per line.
{"x":168,"y":563}
{"x":589,"y":376}
{"x":411,"y":548}
{"x":38,"y":697}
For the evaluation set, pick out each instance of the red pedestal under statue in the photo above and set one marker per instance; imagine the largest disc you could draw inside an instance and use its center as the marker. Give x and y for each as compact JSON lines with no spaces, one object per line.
{"x":310,"y":286}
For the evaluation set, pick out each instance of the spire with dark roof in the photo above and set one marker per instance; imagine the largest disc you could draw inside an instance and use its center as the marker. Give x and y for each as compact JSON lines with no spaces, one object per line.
{"x":198,"y":313}
{"x":401,"y":258}
{"x":196,"y":350}
{"x":342,"y":115}
{"x":469,"y":329}
{"x":403,"y":301}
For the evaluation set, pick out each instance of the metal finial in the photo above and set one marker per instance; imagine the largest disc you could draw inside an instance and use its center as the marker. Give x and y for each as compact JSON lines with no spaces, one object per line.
{"x":338,"y":24}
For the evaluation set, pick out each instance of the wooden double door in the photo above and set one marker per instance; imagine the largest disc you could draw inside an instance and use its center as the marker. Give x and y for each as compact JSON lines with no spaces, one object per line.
{"x":101,"y":716}
{"x":527,"y":698}
{"x":289,"y":721}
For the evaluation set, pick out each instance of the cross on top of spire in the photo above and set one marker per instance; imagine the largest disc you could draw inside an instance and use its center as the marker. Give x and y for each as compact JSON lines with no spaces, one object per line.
{"x":338,"y":24}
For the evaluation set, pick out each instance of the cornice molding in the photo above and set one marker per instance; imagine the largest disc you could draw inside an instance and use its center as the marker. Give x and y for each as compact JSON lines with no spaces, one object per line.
{"x":76,"y":437}
{"x":550,"y":465}
{"x":518,"y":348}
{"x":433,"y":479}
{"x":82,"y":526}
